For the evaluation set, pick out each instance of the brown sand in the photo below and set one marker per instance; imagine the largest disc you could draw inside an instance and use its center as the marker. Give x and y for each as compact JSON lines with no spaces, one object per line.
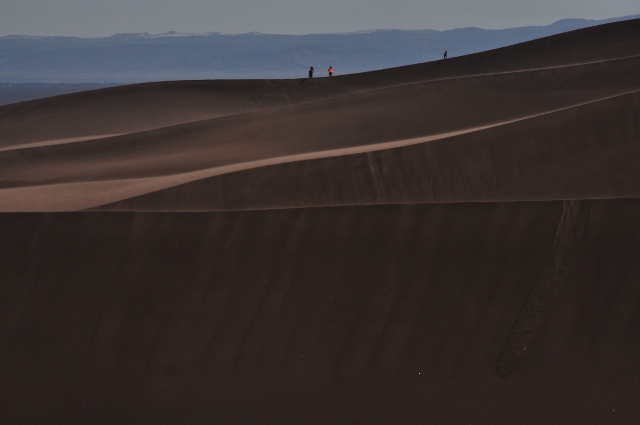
{"x":246,"y":271}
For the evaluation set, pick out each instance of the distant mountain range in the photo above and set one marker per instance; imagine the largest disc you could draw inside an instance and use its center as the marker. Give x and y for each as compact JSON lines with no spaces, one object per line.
{"x":129,"y":58}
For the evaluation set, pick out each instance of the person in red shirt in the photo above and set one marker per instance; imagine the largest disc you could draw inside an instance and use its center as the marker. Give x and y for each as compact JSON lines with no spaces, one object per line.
{"x":330,"y":71}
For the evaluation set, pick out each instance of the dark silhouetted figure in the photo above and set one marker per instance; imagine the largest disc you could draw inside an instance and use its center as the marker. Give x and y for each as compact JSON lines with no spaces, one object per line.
{"x":330,"y":71}
{"x":310,"y":72}
{"x":445,"y":54}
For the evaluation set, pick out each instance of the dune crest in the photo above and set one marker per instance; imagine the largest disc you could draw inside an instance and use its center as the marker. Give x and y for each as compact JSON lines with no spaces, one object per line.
{"x":373,"y":120}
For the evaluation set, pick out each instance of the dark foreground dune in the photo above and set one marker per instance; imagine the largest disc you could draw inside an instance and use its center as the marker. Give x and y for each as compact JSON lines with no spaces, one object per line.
{"x":363,"y":313}
{"x":450,"y":242}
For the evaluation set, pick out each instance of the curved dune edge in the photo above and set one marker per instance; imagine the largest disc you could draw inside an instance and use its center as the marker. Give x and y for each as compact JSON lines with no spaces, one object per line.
{"x":56,"y":142}
{"x":86,"y":195}
{"x":83,"y":138}
{"x":395,"y":172}
{"x":115,"y":121}
{"x":490,"y":74}
{"x":394,"y":114}
{"x":585,"y":152}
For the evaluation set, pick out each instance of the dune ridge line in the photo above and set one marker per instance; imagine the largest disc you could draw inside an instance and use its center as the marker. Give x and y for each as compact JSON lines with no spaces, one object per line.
{"x":50,"y":197}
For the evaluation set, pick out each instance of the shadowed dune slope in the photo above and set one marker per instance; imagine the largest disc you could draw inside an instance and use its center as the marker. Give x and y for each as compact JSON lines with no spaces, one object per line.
{"x":275,"y":315}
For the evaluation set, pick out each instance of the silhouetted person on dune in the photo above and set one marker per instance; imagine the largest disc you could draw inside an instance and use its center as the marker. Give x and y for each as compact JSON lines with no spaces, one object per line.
{"x":310,"y":72}
{"x":445,"y":54}
{"x":330,"y":71}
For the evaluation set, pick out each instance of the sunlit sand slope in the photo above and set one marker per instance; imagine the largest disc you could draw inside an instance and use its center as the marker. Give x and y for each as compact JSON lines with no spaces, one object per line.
{"x":80,"y":174}
{"x":585,"y":152}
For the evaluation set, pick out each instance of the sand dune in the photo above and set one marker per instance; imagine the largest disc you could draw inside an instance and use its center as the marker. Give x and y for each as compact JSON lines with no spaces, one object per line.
{"x":449,"y":242}
{"x":143,"y":107}
{"x":525,"y":159}
{"x":584,"y":152}
{"x":55,"y":142}
{"x":363,"y":122}
{"x":162,"y":315}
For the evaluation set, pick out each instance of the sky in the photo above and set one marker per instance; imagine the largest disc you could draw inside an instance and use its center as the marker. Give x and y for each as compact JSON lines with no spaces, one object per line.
{"x":100,"y":18}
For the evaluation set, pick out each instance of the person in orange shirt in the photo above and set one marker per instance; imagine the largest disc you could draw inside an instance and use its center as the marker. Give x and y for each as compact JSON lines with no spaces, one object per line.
{"x":330,"y":71}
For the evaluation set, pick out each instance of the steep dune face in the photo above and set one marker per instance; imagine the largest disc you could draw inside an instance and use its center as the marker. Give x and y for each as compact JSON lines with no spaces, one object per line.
{"x":247,"y":274}
{"x":175,"y":308}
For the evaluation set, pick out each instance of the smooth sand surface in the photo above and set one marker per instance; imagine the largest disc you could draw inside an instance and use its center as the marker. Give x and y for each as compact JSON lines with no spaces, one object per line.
{"x":448,"y":242}
{"x":363,"y":313}
{"x":368,"y":121}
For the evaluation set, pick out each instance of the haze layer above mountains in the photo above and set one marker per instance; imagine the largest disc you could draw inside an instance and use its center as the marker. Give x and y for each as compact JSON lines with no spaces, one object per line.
{"x":130,"y":58}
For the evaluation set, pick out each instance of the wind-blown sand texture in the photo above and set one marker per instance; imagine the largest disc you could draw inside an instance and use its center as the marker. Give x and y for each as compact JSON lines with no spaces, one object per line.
{"x":448,"y":242}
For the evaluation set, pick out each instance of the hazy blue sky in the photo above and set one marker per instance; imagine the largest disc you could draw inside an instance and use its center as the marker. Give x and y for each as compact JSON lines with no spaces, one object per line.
{"x":91,"y":18}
